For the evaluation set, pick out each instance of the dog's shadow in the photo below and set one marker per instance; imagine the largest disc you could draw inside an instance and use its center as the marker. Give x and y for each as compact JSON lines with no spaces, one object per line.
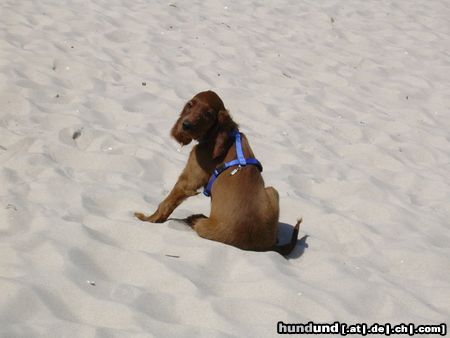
{"x":284,"y":236}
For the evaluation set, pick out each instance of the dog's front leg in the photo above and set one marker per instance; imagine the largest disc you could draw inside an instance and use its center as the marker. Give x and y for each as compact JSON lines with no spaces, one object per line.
{"x":190,"y":180}
{"x":178,"y":194}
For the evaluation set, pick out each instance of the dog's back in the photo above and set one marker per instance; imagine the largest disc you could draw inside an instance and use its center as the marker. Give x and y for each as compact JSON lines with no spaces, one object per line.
{"x":245,"y":212}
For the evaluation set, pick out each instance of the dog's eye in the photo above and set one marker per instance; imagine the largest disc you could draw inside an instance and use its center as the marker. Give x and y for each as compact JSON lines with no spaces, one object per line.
{"x":209,"y":113}
{"x":189,"y":104}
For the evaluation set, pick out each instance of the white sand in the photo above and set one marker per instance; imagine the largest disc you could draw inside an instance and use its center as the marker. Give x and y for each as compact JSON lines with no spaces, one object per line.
{"x":346,"y":105}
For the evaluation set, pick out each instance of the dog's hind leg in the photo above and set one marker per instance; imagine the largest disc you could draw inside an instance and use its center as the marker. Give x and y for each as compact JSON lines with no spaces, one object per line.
{"x":274,"y":204}
{"x":274,"y":198}
{"x":191,"y":220}
{"x":207,"y":228}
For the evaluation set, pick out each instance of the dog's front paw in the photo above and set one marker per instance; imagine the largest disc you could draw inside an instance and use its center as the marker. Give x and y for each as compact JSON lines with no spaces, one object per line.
{"x":141,"y":216}
{"x":155,"y":218}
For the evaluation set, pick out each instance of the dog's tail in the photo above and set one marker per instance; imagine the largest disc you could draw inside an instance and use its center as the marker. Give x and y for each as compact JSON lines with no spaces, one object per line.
{"x":287,"y":248}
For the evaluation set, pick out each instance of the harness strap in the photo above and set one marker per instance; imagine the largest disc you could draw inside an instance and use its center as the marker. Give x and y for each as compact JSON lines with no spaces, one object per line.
{"x":240,"y":161}
{"x":239,"y":151}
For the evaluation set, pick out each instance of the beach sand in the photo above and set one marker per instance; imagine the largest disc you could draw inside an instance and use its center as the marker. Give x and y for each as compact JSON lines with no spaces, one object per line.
{"x":346,"y":104}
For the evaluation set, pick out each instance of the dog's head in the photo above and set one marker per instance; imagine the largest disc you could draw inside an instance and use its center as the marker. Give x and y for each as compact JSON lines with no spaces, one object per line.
{"x":204,"y":118}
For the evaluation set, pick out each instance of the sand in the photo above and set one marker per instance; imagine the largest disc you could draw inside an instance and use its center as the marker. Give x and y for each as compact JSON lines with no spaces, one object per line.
{"x":346,"y":104}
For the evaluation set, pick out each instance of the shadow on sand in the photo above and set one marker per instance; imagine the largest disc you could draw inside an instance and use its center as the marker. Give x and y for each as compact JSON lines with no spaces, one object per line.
{"x":284,"y":236}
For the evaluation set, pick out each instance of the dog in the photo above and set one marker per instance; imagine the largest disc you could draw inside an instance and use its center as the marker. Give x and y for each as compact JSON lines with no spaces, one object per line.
{"x":244,"y":213}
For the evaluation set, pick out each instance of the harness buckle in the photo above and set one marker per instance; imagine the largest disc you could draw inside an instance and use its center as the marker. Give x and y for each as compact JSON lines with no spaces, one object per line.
{"x":235,"y":170}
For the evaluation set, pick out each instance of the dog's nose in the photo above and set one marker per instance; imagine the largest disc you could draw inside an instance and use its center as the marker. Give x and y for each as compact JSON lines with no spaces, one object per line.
{"x":186,"y":125}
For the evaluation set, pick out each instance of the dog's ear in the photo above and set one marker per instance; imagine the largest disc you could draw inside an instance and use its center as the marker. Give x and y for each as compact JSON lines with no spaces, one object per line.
{"x":220,"y":144}
{"x":225,"y":125}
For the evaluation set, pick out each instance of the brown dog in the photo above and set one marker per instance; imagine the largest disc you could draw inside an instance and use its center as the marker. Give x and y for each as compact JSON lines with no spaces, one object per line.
{"x":243,"y":212}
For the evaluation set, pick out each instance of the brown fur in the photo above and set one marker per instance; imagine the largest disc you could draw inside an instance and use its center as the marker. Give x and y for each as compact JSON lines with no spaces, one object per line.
{"x":244,"y":213}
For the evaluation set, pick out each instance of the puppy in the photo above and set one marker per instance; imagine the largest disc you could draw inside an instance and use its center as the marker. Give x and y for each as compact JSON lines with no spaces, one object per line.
{"x":244,"y":213}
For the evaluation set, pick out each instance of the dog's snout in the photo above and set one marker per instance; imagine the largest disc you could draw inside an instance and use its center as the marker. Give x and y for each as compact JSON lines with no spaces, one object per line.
{"x":187,"y":125}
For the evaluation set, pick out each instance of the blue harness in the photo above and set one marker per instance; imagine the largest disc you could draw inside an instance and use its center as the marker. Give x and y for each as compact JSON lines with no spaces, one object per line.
{"x":240,"y":161}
